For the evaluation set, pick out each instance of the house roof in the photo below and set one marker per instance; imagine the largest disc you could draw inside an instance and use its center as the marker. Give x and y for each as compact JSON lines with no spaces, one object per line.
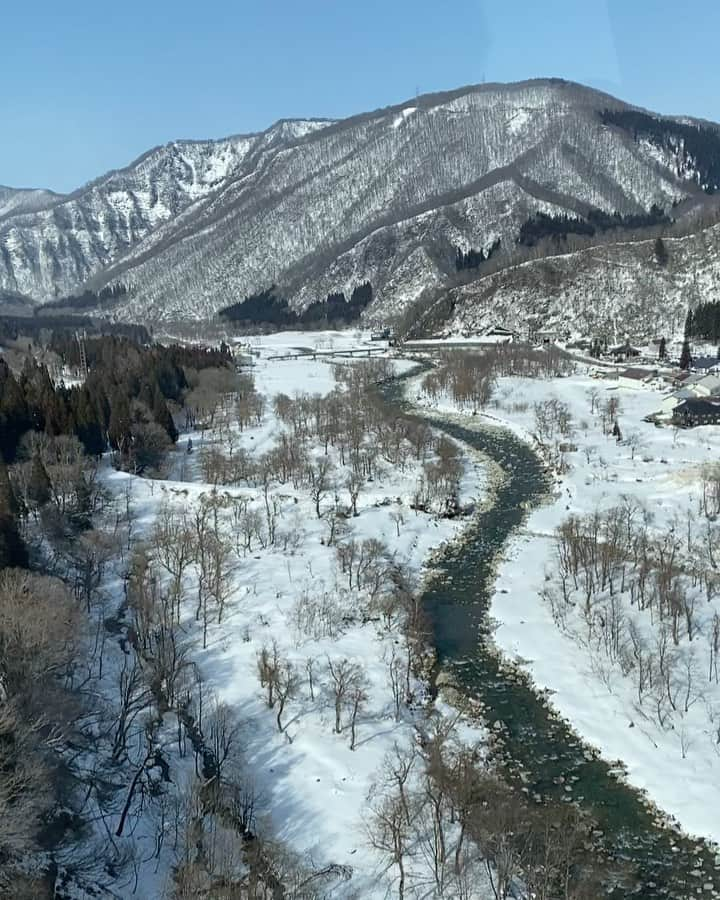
{"x":638,"y":374}
{"x":711,"y":382}
{"x":625,"y":348}
{"x":699,"y":406}
{"x":705,"y":362}
{"x":683,"y":394}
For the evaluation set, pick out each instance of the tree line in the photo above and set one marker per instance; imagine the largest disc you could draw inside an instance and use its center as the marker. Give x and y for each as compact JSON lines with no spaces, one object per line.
{"x":267,"y":308}
{"x":558,"y":227}
{"x":696,"y":146}
{"x":125,"y":404}
{"x":107,"y":296}
{"x":45,"y":329}
{"x":704,"y":322}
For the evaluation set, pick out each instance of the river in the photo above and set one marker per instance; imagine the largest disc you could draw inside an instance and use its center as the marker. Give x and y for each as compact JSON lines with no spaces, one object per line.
{"x":535,"y":748}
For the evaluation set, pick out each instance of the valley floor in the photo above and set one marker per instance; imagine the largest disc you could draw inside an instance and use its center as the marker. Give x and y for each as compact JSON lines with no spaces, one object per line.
{"x":313,"y":791}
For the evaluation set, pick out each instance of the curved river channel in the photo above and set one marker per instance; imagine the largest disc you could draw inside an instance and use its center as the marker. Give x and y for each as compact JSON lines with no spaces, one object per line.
{"x":536,"y":748}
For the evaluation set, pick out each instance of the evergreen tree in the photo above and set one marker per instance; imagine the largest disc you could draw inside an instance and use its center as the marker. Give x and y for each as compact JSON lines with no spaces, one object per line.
{"x":686,"y":355}
{"x":14,"y":416}
{"x":688,"y":330}
{"x":661,"y":254}
{"x":662,"y":349}
{"x":88,"y":426}
{"x":162,"y":416}
{"x":81,"y":512}
{"x":39,"y":486}
{"x":12,"y":549}
{"x":120,"y":422}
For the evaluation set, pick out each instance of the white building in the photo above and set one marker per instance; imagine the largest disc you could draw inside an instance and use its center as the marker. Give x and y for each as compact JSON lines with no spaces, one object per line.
{"x":694,"y":388}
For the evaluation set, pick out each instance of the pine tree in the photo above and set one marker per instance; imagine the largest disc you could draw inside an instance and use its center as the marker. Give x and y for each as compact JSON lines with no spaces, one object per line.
{"x":81,"y":513}
{"x":39,"y":488}
{"x":12,"y":549}
{"x":14,"y":415}
{"x":662,"y":349}
{"x":119,"y":425}
{"x":162,"y":416}
{"x":88,"y":426}
{"x":661,"y":254}
{"x":689,"y":323}
{"x":686,"y":355}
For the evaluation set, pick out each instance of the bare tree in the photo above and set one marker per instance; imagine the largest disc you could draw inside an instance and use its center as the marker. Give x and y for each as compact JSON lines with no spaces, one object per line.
{"x":390,"y":833}
{"x":310,"y":671}
{"x":268,"y":665}
{"x":173,"y":544}
{"x":354,"y":485}
{"x":286,"y":687}
{"x":346,"y":678}
{"x":222,"y":738}
{"x":320,"y":477}
{"x":357,"y":699}
{"x":134,"y":699}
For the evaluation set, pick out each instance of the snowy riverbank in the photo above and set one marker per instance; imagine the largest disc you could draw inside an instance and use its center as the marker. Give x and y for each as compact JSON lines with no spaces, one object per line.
{"x":660,"y":469}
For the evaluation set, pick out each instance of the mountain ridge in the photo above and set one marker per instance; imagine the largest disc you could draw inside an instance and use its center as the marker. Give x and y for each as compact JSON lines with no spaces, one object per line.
{"x":318,"y":206}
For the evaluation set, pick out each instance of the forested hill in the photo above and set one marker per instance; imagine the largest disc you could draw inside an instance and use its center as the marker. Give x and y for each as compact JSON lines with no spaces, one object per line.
{"x":312,"y":209}
{"x":695,"y":147}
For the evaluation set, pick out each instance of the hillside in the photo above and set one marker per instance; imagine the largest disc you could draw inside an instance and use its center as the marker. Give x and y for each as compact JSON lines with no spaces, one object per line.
{"x":613,"y":289}
{"x":387,"y":197}
{"x":21,"y":200}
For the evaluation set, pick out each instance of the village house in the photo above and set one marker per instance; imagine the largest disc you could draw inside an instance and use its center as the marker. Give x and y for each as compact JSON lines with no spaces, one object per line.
{"x":636,"y":378}
{"x":705,"y":364}
{"x":675,"y":399}
{"x":545,"y":336}
{"x":624,"y":351}
{"x":691,"y":413}
{"x":697,"y":387}
{"x":707,"y":386}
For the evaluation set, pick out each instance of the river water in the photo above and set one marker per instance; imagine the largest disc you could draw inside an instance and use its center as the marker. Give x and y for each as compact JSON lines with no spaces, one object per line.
{"x":535,"y":748}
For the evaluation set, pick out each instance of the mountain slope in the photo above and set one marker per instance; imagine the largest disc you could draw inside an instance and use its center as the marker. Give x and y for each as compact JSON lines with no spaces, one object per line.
{"x":610,"y":290}
{"x":316,"y":207}
{"x":20,"y":200}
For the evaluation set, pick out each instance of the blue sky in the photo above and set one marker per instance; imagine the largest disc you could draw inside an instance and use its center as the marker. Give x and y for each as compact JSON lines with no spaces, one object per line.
{"x":87,"y":86}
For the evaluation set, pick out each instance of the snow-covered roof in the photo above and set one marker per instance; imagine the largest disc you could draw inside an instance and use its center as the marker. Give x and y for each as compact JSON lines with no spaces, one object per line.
{"x":638,"y":374}
{"x":709,"y":382}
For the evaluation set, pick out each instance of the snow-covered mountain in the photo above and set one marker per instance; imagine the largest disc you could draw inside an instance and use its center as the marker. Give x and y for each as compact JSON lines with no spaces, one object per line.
{"x":316,"y":206}
{"x":19,"y":200}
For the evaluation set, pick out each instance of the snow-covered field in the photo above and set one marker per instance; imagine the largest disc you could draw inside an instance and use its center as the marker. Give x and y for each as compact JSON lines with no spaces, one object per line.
{"x":661,"y":469}
{"x":313,"y":790}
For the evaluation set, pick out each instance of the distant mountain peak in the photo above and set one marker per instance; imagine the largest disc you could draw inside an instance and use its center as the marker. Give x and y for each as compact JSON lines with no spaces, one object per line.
{"x":317,"y":207}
